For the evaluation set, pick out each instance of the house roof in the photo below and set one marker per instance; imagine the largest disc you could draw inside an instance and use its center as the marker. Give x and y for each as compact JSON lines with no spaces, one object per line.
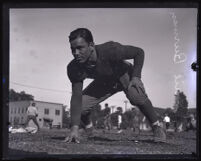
{"x":49,"y":102}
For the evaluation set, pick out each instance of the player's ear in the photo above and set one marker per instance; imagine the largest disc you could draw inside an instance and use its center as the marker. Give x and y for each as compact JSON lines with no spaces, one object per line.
{"x":91,"y":44}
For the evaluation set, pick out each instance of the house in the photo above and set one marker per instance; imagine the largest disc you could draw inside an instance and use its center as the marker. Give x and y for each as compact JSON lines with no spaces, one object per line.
{"x":47,"y":113}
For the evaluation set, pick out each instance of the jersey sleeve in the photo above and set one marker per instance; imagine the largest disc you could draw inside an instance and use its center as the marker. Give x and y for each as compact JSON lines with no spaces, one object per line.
{"x":119,"y":52}
{"x":75,"y":74}
{"x":76,"y":103}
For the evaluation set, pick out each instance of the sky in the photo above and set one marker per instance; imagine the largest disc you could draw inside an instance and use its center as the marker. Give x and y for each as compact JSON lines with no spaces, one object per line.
{"x":40,"y":51}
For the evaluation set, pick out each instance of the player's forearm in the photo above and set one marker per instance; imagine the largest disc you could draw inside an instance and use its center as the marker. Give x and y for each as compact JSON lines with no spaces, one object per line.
{"x":75,"y":109}
{"x":76,"y":103}
{"x":138,"y":64}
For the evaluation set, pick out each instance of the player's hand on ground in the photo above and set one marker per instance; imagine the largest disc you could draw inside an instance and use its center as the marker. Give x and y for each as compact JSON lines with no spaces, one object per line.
{"x":73,"y":136}
{"x":137,"y":83}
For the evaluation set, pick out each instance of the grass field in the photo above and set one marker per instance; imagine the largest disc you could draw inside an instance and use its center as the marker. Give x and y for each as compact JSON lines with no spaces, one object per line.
{"x":47,"y":142}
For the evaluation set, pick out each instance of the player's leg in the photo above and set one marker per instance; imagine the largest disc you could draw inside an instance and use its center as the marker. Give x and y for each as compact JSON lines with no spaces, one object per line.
{"x":167,"y":125}
{"x":94,"y":94}
{"x":140,"y":99}
{"x":27,"y":121}
{"x":109,"y":124}
{"x":119,"y":128}
{"x":105,"y":124}
{"x":36,"y":122}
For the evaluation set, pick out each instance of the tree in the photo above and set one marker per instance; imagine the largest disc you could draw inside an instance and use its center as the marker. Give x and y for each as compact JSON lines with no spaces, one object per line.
{"x":180,"y":109}
{"x":15,"y":96}
{"x":181,"y":104}
{"x":168,"y":111}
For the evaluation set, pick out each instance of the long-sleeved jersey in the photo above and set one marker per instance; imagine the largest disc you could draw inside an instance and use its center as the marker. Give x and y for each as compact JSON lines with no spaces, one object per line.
{"x":110,"y":65}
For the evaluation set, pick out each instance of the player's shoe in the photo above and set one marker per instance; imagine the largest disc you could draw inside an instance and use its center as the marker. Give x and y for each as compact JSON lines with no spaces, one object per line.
{"x":159,"y":133}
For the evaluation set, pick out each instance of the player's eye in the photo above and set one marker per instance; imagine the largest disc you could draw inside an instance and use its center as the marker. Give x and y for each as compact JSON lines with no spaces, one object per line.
{"x":73,"y":50}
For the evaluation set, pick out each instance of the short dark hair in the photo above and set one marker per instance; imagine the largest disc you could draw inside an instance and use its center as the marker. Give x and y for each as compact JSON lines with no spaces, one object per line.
{"x":33,"y":104}
{"x":81,"y":32}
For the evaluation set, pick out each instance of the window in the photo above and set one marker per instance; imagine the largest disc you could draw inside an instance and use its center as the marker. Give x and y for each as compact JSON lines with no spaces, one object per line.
{"x":21,"y":119}
{"x":22,"y":110}
{"x":18,"y":110}
{"x":11,"y":110}
{"x":57,"y":112}
{"x":46,"y":111}
{"x":15,"y":110}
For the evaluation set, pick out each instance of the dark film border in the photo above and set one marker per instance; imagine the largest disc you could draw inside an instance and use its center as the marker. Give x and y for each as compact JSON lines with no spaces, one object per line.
{"x":89,"y":4}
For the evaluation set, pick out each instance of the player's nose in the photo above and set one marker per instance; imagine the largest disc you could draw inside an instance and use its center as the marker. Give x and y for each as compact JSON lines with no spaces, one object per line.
{"x":77,"y":52}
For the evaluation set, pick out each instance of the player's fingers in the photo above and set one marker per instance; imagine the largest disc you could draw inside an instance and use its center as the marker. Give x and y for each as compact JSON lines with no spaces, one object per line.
{"x":138,"y":89}
{"x":70,"y":140}
{"x":129,"y":86}
{"x":75,"y":140}
{"x":142,"y":88}
{"x":67,"y":139}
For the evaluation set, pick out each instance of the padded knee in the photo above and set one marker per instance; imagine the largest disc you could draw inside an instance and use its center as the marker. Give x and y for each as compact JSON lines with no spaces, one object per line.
{"x":136,"y":98}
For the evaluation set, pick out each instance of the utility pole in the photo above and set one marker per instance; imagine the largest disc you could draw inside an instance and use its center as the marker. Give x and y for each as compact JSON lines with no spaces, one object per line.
{"x":125,"y":104}
{"x":112,"y":107}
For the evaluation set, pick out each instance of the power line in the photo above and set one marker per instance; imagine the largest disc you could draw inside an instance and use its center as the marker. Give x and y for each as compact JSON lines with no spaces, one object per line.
{"x":30,"y":86}
{"x":48,"y":89}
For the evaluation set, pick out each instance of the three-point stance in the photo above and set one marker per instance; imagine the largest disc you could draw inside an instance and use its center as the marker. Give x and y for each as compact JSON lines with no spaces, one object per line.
{"x":105,"y":63}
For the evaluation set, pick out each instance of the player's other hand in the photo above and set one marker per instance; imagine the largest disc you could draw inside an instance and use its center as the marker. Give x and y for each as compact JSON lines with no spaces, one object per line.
{"x":137,"y":83}
{"x":73,"y":136}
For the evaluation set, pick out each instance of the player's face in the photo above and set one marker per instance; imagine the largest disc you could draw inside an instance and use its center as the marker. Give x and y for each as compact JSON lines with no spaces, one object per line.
{"x":81,"y":50}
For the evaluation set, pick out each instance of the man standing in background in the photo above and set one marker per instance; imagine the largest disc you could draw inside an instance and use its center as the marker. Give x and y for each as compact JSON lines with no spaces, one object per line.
{"x":167,"y":121}
{"x":119,"y":117}
{"x":107,"y":118}
{"x":32,"y":114}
